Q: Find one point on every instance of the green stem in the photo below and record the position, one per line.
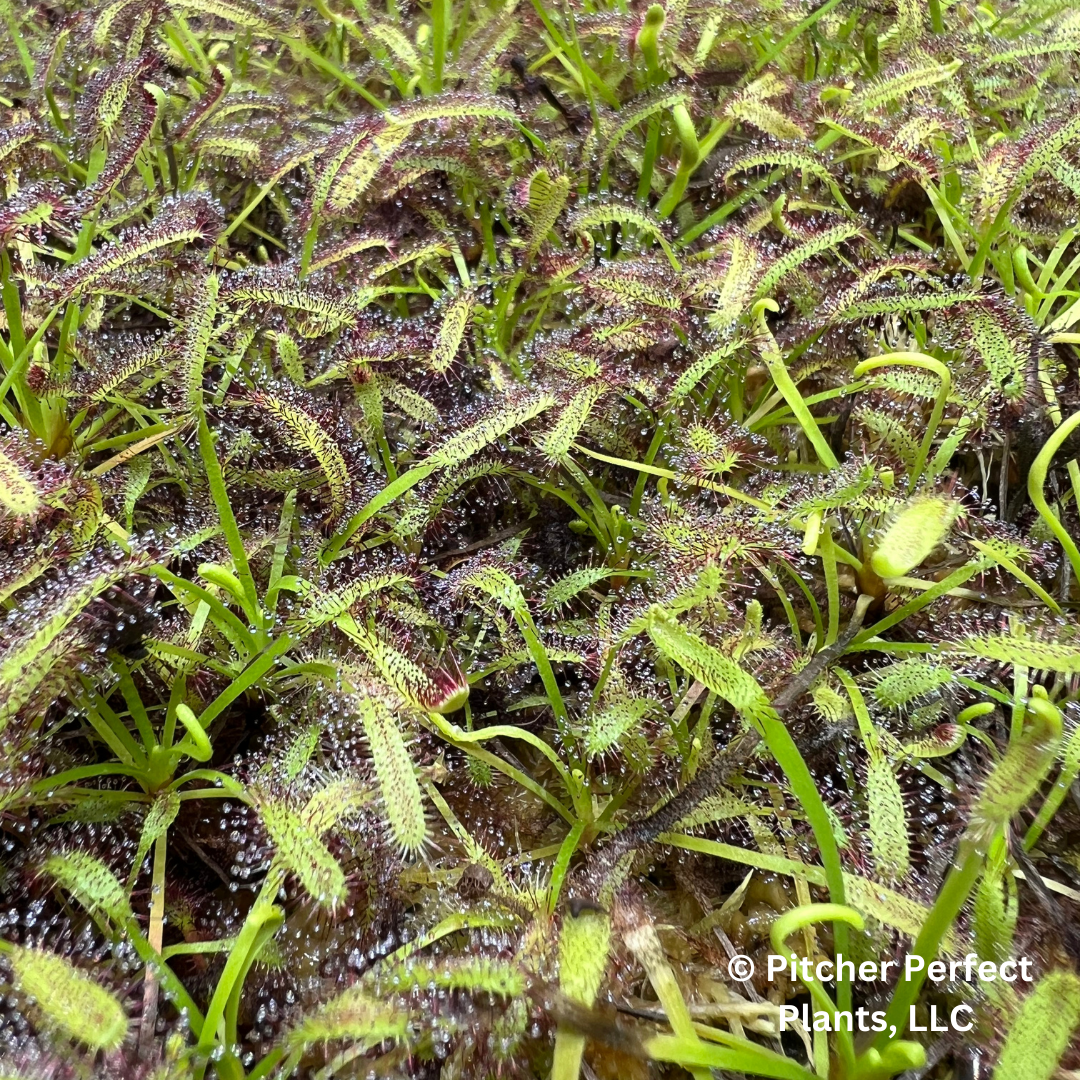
(818, 13)
(174, 989)
(940, 588)
(440, 31)
(562, 864)
(958, 885)
(652, 145)
(268, 1064)
(515, 774)
(27, 399)
(254, 671)
(927, 363)
(111, 729)
(263, 919)
(937, 24)
(504, 731)
(689, 160)
(58, 781)
(230, 626)
(827, 551)
(1069, 770)
(388, 494)
(1037, 482)
(225, 513)
(786, 385)
(25, 56)
(543, 665)
(782, 747)
(655, 470)
(798, 919)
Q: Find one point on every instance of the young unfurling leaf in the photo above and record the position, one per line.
(584, 943)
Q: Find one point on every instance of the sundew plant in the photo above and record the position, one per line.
(509, 506)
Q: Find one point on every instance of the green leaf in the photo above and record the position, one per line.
(68, 1000)
(584, 942)
(887, 820)
(302, 853)
(159, 817)
(356, 1015)
(1042, 1030)
(402, 800)
(913, 534)
(91, 882)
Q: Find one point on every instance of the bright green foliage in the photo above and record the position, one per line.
(72, 1003)
(565, 589)
(18, 494)
(156, 824)
(91, 882)
(1041, 1029)
(454, 324)
(584, 942)
(904, 683)
(1016, 777)
(995, 911)
(912, 535)
(707, 664)
(302, 853)
(356, 1016)
(477, 976)
(615, 719)
(1060, 656)
(402, 800)
(583, 955)
(888, 824)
